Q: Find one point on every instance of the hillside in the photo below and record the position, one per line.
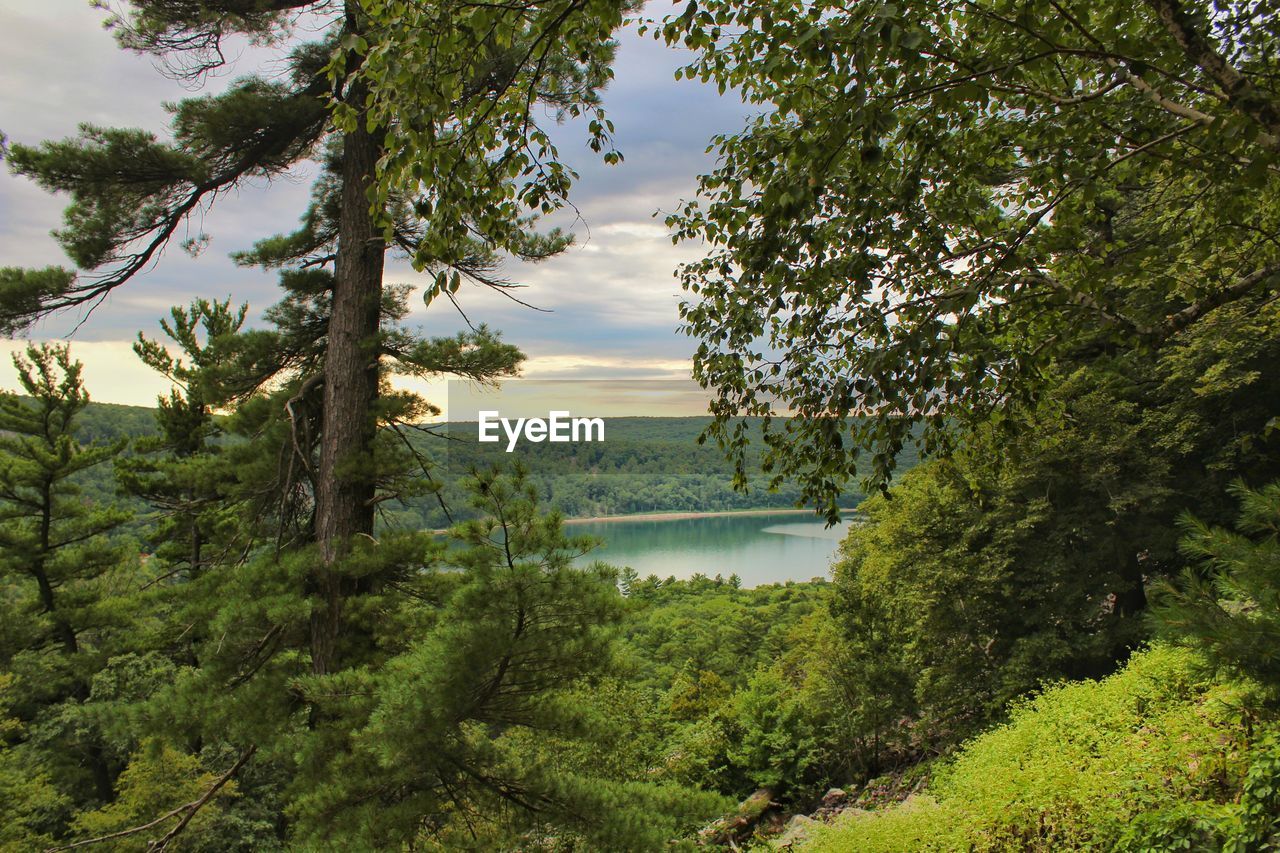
(111, 421)
(645, 464)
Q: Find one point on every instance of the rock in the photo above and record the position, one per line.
(835, 797)
(795, 832)
(833, 802)
(756, 804)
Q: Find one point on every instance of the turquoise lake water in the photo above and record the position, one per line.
(760, 549)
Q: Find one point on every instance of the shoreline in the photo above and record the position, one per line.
(691, 514)
(683, 515)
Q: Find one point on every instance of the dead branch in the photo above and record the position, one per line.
(188, 811)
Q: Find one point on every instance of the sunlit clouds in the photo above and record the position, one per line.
(608, 306)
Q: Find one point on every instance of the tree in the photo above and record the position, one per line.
(177, 470)
(47, 535)
(941, 204)
(455, 657)
(855, 668)
(288, 601)
(30, 805)
(446, 171)
(516, 630)
(54, 549)
(1010, 563)
(1228, 603)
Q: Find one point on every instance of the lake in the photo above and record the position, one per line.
(760, 549)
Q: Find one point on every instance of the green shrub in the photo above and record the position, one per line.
(1134, 759)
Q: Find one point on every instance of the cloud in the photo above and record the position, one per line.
(601, 397)
(112, 373)
(587, 365)
(612, 301)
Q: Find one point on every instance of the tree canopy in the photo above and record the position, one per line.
(941, 205)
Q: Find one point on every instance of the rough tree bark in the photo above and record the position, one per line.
(345, 491)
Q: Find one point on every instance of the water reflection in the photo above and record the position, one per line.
(769, 548)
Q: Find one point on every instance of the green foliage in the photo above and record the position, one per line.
(850, 672)
(939, 206)
(60, 581)
(25, 291)
(460, 120)
(733, 707)
(775, 741)
(1076, 766)
(1027, 556)
(445, 729)
(158, 778)
(51, 544)
(1035, 243)
(966, 587)
(683, 628)
(31, 807)
(472, 703)
(1228, 605)
(179, 469)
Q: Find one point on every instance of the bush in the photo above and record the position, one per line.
(1132, 761)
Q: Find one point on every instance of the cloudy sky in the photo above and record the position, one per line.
(611, 299)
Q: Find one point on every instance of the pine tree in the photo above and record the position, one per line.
(431, 145)
(501, 626)
(455, 737)
(46, 534)
(1228, 602)
(178, 471)
(367, 673)
(54, 547)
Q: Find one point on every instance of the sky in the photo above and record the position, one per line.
(610, 301)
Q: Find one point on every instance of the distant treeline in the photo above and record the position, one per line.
(643, 465)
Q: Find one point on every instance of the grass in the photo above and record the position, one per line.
(1154, 757)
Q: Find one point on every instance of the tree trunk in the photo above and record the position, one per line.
(1132, 599)
(103, 784)
(61, 629)
(345, 491)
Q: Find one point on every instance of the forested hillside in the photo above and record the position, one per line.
(644, 465)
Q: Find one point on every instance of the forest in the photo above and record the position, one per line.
(650, 464)
(1001, 273)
